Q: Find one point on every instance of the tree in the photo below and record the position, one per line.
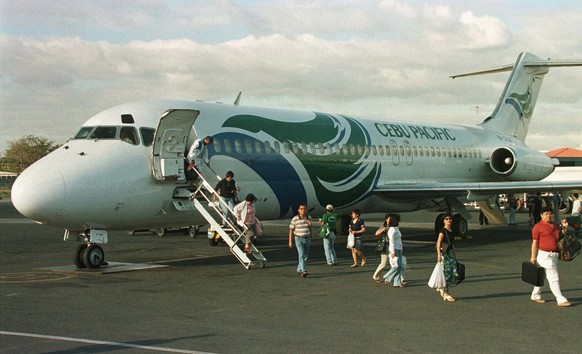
(25, 151)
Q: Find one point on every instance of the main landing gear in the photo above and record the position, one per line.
(460, 225)
(89, 255)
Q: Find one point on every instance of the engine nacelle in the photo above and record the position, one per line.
(519, 164)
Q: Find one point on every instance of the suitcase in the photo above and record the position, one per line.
(532, 274)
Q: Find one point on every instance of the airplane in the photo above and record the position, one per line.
(124, 169)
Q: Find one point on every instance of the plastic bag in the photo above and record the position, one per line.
(351, 241)
(437, 279)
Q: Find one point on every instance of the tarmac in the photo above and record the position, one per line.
(179, 294)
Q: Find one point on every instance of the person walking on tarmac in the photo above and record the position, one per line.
(300, 228)
(329, 218)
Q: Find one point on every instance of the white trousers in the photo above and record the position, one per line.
(549, 261)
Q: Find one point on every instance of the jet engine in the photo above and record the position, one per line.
(521, 164)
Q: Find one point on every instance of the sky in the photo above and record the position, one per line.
(63, 61)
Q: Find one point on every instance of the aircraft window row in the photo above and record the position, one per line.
(125, 134)
(259, 147)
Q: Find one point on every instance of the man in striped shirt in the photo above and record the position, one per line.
(300, 227)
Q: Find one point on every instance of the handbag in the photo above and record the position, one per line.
(258, 229)
(568, 246)
(351, 241)
(532, 274)
(437, 279)
(381, 245)
(324, 231)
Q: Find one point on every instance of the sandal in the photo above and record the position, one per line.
(448, 298)
(378, 281)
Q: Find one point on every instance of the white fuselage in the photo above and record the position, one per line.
(283, 157)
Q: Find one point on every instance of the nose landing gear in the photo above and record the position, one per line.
(89, 255)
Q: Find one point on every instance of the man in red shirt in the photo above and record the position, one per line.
(544, 250)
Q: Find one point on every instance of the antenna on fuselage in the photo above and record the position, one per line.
(237, 100)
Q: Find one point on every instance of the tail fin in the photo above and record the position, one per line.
(514, 110)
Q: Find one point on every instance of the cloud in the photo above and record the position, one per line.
(484, 32)
(388, 59)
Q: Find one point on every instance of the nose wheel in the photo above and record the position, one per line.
(89, 255)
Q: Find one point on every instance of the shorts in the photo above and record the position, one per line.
(358, 244)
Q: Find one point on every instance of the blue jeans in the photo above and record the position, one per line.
(329, 248)
(230, 203)
(395, 273)
(302, 244)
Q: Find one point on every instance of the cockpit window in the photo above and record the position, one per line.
(147, 136)
(128, 135)
(104, 133)
(83, 133)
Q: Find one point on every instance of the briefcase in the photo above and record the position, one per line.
(532, 274)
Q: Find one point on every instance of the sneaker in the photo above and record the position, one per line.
(565, 304)
(540, 301)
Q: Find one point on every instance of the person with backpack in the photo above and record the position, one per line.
(329, 220)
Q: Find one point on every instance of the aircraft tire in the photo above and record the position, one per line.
(438, 223)
(460, 226)
(160, 232)
(93, 256)
(131, 232)
(78, 260)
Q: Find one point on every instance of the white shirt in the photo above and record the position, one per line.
(198, 153)
(395, 238)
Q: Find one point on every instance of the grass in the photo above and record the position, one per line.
(4, 192)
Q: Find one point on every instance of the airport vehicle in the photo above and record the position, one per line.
(101, 180)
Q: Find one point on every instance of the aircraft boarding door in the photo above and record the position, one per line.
(170, 144)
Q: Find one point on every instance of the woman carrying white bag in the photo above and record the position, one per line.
(437, 280)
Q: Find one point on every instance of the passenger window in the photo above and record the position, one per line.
(248, 146)
(374, 150)
(286, 147)
(237, 146)
(217, 145)
(295, 148)
(104, 133)
(267, 147)
(312, 148)
(381, 150)
(360, 150)
(408, 151)
(387, 150)
(227, 146)
(367, 150)
(83, 133)
(352, 149)
(147, 136)
(128, 135)
(432, 151)
(277, 147)
(401, 150)
(258, 147)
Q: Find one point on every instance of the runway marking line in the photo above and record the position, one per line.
(100, 342)
(33, 277)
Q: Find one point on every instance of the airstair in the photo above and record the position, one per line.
(232, 233)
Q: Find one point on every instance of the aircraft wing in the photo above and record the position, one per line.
(473, 191)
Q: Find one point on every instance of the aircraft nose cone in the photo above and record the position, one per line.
(39, 193)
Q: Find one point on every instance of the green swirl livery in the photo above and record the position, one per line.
(335, 160)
